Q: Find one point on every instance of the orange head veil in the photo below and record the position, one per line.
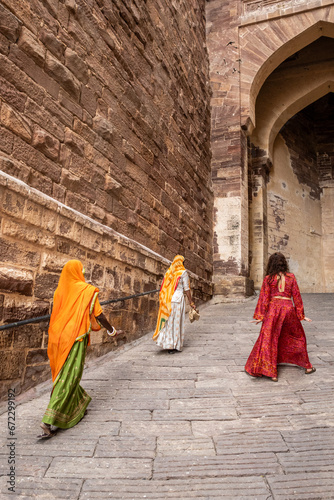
(70, 313)
(168, 287)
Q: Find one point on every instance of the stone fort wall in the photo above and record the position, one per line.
(105, 157)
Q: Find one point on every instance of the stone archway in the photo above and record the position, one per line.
(247, 40)
(265, 47)
(291, 209)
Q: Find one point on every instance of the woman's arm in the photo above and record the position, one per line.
(100, 317)
(104, 322)
(186, 289)
(192, 304)
(263, 302)
(298, 301)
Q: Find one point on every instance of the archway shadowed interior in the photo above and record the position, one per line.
(291, 172)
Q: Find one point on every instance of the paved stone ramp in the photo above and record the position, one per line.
(191, 425)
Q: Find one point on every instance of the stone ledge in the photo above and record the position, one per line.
(89, 225)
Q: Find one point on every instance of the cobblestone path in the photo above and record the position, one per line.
(190, 425)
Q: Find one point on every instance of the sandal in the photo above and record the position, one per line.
(312, 370)
(47, 432)
(274, 379)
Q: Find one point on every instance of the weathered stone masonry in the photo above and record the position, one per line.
(264, 69)
(105, 156)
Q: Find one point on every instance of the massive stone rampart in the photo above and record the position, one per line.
(105, 157)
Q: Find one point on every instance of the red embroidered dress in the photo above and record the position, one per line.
(282, 337)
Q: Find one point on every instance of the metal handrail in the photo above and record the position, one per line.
(40, 319)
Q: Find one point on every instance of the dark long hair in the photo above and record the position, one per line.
(277, 264)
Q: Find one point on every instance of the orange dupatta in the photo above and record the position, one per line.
(70, 316)
(168, 287)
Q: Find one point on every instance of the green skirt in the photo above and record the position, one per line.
(69, 400)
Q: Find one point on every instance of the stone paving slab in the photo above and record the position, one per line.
(195, 404)
(247, 464)
(274, 397)
(148, 394)
(191, 425)
(35, 466)
(310, 486)
(226, 413)
(258, 442)
(99, 468)
(126, 447)
(304, 421)
(136, 403)
(60, 447)
(217, 427)
(162, 384)
(175, 446)
(139, 428)
(224, 394)
(243, 488)
(46, 488)
(309, 440)
(307, 461)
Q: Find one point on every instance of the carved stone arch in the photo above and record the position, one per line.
(271, 122)
(264, 46)
(292, 206)
(295, 107)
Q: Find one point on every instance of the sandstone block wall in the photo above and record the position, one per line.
(38, 236)
(105, 147)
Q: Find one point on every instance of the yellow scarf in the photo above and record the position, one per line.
(167, 289)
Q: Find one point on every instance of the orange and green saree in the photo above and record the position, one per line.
(70, 326)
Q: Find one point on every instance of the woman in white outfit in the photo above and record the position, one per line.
(169, 333)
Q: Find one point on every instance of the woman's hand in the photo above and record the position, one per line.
(308, 319)
(194, 307)
(256, 321)
(112, 333)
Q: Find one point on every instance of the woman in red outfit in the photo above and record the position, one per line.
(282, 337)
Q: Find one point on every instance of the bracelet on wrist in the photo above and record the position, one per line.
(112, 333)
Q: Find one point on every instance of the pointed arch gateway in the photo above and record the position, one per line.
(248, 41)
(264, 46)
(290, 127)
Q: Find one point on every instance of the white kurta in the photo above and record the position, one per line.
(172, 334)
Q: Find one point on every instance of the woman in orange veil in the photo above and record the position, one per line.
(75, 307)
(169, 333)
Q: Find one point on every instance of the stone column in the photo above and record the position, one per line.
(258, 227)
(229, 152)
(231, 222)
